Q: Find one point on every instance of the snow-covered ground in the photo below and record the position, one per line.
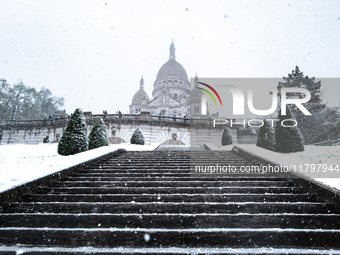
(313, 156)
(20, 163)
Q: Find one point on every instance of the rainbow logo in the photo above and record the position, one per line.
(209, 92)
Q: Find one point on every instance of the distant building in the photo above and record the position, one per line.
(171, 92)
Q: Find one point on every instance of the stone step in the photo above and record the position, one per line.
(9, 250)
(178, 153)
(149, 237)
(142, 161)
(151, 200)
(170, 221)
(134, 174)
(169, 190)
(173, 174)
(170, 161)
(160, 166)
(173, 183)
(174, 169)
(14, 250)
(177, 156)
(184, 165)
(178, 197)
(245, 178)
(171, 207)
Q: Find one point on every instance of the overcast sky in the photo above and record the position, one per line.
(93, 53)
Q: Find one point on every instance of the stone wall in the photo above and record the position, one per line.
(155, 129)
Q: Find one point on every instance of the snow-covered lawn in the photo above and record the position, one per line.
(313, 155)
(20, 163)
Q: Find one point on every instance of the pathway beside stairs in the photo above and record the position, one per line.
(147, 202)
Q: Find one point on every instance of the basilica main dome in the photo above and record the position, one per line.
(173, 76)
(172, 69)
(170, 94)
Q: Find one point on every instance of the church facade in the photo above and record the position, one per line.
(171, 92)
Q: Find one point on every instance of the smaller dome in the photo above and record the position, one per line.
(195, 93)
(139, 96)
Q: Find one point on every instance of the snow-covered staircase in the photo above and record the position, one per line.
(147, 202)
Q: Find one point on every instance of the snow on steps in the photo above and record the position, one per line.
(147, 202)
(14, 250)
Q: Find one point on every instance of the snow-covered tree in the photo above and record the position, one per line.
(21, 102)
(330, 128)
(137, 137)
(288, 139)
(226, 137)
(4, 98)
(98, 135)
(266, 136)
(309, 125)
(74, 138)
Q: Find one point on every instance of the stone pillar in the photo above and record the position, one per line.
(145, 116)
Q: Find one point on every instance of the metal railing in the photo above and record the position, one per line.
(108, 117)
(324, 143)
(52, 121)
(115, 118)
(152, 118)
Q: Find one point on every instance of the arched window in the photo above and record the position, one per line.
(175, 96)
